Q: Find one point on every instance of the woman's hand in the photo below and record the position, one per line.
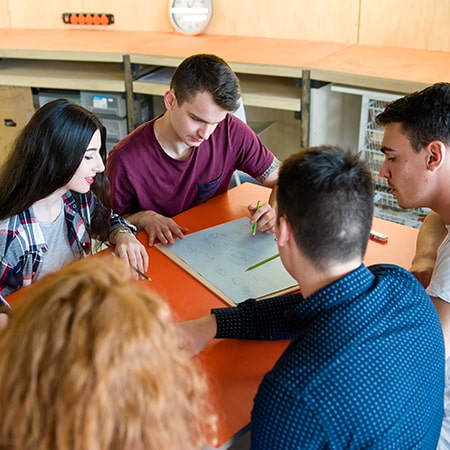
(132, 252)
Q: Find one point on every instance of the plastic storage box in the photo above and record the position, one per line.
(116, 128)
(104, 103)
(47, 95)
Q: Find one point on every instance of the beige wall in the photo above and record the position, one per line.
(5, 20)
(421, 24)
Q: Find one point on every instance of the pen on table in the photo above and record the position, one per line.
(255, 225)
(264, 261)
(142, 274)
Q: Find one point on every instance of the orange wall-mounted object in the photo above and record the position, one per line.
(75, 18)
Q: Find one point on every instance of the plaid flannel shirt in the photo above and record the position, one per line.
(22, 244)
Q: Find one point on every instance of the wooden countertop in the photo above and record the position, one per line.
(381, 67)
(283, 57)
(67, 45)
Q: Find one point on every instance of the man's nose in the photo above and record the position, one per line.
(384, 172)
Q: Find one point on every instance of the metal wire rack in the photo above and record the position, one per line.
(385, 204)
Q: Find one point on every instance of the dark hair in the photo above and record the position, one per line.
(206, 73)
(424, 115)
(326, 194)
(45, 156)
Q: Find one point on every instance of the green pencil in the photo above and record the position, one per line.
(255, 225)
(262, 262)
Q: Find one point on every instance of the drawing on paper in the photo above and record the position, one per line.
(218, 256)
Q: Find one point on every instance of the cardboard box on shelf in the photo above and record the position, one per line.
(16, 109)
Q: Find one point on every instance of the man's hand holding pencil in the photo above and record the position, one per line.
(264, 216)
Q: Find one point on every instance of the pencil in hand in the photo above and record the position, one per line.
(142, 274)
(4, 303)
(255, 225)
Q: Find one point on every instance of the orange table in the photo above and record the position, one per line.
(235, 368)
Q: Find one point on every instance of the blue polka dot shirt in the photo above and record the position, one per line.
(365, 368)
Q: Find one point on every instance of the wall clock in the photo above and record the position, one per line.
(190, 16)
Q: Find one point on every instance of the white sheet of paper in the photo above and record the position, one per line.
(221, 254)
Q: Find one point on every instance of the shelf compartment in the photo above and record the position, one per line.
(261, 91)
(62, 75)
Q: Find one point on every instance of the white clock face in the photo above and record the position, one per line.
(190, 16)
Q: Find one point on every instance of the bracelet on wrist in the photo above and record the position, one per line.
(125, 230)
(120, 230)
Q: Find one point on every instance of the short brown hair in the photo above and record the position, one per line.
(206, 73)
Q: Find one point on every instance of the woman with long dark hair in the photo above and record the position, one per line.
(54, 197)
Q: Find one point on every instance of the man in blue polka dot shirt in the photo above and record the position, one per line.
(365, 367)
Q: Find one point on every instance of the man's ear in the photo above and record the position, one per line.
(437, 152)
(284, 232)
(169, 99)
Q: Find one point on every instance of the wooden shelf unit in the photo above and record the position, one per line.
(275, 74)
